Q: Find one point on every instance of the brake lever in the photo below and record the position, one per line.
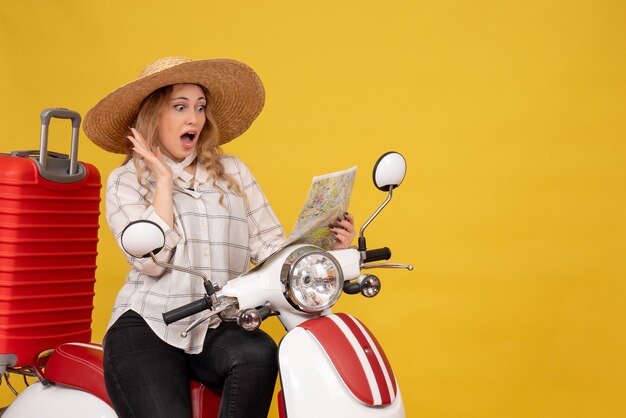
(409, 267)
(198, 321)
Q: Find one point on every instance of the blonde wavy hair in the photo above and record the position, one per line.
(207, 146)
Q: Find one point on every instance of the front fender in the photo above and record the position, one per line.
(333, 367)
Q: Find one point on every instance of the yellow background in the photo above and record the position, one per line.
(510, 116)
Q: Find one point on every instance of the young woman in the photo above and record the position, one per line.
(170, 123)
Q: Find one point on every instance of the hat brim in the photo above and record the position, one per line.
(236, 97)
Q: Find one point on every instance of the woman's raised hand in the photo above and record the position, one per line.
(162, 201)
(159, 169)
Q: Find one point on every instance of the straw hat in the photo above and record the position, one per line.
(236, 97)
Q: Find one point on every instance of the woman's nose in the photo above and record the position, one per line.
(192, 118)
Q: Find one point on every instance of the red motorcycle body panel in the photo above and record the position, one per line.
(205, 402)
(357, 356)
(280, 400)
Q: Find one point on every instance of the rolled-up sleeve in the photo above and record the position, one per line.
(125, 203)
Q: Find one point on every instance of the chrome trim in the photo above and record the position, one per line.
(375, 214)
(204, 277)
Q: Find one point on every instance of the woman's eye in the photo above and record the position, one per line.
(201, 108)
(179, 107)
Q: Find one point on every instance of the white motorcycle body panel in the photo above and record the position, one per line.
(312, 387)
(57, 401)
(259, 286)
(350, 262)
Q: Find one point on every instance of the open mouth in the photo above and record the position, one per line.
(187, 138)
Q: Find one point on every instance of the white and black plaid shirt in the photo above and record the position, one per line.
(218, 239)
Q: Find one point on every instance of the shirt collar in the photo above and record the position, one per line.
(178, 169)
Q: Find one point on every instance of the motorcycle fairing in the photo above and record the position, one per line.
(357, 356)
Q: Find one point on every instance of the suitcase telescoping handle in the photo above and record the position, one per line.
(60, 113)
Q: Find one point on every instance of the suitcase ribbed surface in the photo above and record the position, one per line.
(48, 248)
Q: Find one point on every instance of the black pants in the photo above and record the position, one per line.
(148, 378)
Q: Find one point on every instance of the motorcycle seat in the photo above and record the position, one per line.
(79, 365)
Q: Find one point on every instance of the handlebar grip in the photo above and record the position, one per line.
(377, 254)
(186, 310)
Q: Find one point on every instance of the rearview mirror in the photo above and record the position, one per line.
(389, 171)
(140, 238)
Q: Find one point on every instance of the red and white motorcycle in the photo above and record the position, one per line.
(330, 364)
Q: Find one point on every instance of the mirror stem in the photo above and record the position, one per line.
(362, 244)
(207, 283)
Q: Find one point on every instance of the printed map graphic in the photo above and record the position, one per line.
(328, 199)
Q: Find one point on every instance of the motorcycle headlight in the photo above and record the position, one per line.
(313, 279)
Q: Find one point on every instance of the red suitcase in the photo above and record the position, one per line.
(49, 210)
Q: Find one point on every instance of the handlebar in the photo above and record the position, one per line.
(187, 310)
(377, 254)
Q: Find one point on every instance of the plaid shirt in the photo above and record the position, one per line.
(219, 240)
